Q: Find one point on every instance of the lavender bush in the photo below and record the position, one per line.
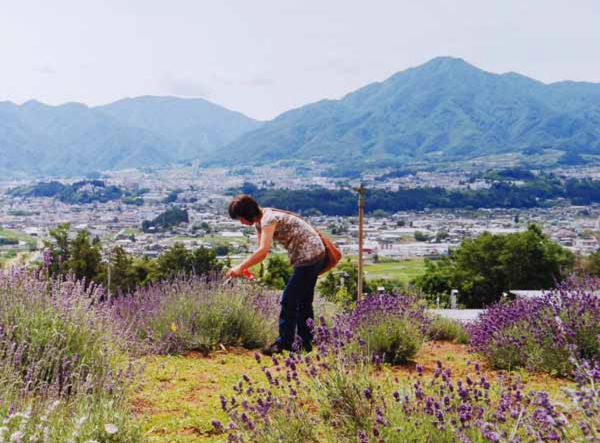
(383, 326)
(81, 420)
(586, 398)
(445, 329)
(64, 370)
(198, 313)
(331, 397)
(541, 333)
(53, 339)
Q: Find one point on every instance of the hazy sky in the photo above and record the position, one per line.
(263, 57)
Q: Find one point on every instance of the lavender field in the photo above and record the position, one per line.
(175, 362)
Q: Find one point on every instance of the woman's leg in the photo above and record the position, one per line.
(290, 302)
(306, 311)
(296, 305)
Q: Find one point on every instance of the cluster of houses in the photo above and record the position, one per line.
(398, 236)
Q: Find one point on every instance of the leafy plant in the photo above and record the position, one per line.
(445, 329)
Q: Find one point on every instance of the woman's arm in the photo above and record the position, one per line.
(266, 238)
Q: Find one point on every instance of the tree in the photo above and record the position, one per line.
(204, 260)
(437, 278)
(59, 248)
(145, 270)
(441, 235)
(168, 219)
(172, 197)
(532, 261)
(592, 265)
(485, 267)
(174, 260)
(389, 285)
(421, 236)
(123, 275)
(178, 259)
(277, 272)
(331, 284)
(84, 258)
(222, 249)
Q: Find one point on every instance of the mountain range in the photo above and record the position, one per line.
(445, 110)
(74, 139)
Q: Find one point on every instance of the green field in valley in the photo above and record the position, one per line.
(404, 270)
(17, 235)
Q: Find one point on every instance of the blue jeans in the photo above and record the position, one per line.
(296, 304)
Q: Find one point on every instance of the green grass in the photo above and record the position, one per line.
(132, 231)
(180, 395)
(216, 238)
(17, 235)
(405, 270)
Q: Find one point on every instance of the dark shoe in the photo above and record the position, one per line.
(275, 348)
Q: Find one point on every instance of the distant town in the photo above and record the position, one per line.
(25, 221)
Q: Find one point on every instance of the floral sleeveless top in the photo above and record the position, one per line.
(300, 239)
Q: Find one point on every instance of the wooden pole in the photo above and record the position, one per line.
(108, 264)
(361, 210)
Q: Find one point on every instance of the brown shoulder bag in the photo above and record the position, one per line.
(334, 255)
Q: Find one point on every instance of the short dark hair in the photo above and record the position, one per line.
(244, 206)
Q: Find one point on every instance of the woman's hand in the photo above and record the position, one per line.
(236, 271)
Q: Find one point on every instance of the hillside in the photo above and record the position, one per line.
(193, 126)
(444, 110)
(73, 139)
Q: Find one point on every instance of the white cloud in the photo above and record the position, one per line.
(184, 87)
(45, 69)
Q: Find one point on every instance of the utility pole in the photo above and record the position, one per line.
(106, 256)
(109, 294)
(361, 209)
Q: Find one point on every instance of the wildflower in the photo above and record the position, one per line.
(16, 437)
(111, 428)
(217, 425)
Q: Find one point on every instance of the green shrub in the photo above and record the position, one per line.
(342, 399)
(195, 314)
(289, 425)
(385, 327)
(445, 329)
(396, 339)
